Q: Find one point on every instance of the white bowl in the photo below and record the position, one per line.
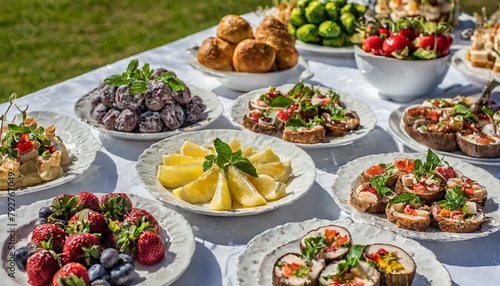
(243, 81)
(401, 80)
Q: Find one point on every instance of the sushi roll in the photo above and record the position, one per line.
(293, 270)
(396, 267)
(350, 271)
(331, 242)
(456, 214)
(408, 212)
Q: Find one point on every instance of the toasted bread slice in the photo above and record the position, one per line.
(309, 136)
(250, 124)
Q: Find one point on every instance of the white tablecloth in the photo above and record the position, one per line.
(221, 240)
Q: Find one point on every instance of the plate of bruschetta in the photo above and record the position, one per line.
(308, 116)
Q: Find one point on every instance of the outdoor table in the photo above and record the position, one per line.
(220, 240)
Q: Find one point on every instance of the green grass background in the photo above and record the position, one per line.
(43, 42)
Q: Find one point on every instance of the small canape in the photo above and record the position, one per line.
(408, 212)
(396, 267)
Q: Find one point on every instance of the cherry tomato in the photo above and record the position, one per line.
(396, 45)
(375, 170)
(384, 33)
(24, 145)
(370, 189)
(410, 34)
(425, 42)
(434, 115)
(373, 45)
(442, 46)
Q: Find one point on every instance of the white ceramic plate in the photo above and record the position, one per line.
(213, 111)
(243, 81)
(347, 174)
(366, 116)
(304, 171)
(323, 49)
(81, 144)
(479, 76)
(256, 262)
(396, 126)
(177, 232)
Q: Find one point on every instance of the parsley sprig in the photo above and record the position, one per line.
(137, 79)
(378, 182)
(226, 157)
(352, 259)
(427, 167)
(455, 199)
(408, 198)
(465, 112)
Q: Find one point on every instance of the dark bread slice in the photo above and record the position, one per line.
(453, 225)
(394, 278)
(377, 208)
(477, 150)
(316, 135)
(418, 223)
(250, 124)
(435, 140)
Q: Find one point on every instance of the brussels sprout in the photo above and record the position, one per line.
(332, 12)
(339, 3)
(329, 29)
(334, 42)
(349, 8)
(357, 38)
(297, 17)
(315, 12)
(360, 9)
(348, 22)
(303, 3)
(308, 33)
(292, 30)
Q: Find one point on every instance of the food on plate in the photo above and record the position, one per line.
(234, 29)
(456, 213)
(461, 123)
(303, 115)
(394, 264)
(144, 100)
(485, 43)
(30, 154)
(329, 23)
(407, 211)
(429, 191)
(408, 39)
(332, 242)
(216, 54)
(389, 170)
(253, 56)
(350, 271)
(238, 48)
(84, 239)
(225, 175)
(292, 269)
(433, 10)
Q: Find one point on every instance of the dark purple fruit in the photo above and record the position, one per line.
(22, 254)
(45, 212)
(109, 257)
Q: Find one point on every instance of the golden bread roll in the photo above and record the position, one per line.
(216, 54)
(253, 56)
(274, 33)
(234, 29)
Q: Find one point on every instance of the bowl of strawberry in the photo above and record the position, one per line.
(405, 60)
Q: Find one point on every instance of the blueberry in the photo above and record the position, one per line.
(125, 258)
(22, 254)
(122, 274)
(100, 282)
(97, 271)
(40, 221)
(109, 257)
(45, 212)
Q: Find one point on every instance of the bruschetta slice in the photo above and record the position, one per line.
(407, 211)
(395, 265)
(473, 190)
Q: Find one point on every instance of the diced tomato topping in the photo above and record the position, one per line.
(448, 172)
(410, 210)
(289, 268)
(419, 188)
(456, 212)
(434, 115)
(343, 239)
(405, 165)
(485, 141)
(24, 145)
(333, 247)
(444, 212)
(469, 191)
(370, 189)
(256, 114)
(330, 235)
(375, 170)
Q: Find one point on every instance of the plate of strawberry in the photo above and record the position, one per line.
(96, 239)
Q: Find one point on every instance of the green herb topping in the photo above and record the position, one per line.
(225, 157)
(313, 246)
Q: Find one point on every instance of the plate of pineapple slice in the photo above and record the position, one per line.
(226, 172)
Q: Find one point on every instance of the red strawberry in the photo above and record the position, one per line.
(64, 206)
(83, 248)
(88, 221)
(138, 216)
(41, 266)
(150, 248)
(115, 206)
(46, 232)
(71, 274)
(89, 201)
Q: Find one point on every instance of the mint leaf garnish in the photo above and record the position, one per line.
(225, 158)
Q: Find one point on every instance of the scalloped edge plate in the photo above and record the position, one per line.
(479, 76)
(304, 171)
(324, 50)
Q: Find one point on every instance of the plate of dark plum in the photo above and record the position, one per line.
(145, 104)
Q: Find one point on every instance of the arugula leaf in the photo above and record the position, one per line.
(313, 246)
(225, 157)
(352, 259)
(296, 89)
(20, 128)
(455, 199)
(432, 161)
(487, 111)
(409, 198)
(281, 101)
(337, 113)
(296, 122)
(378, 182)
(465, 112)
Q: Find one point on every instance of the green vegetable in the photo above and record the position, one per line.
(332, 11)
(329, 29)
(432, 161)
(296, 122)
(303, 271)
(297, 17)
(292, 30)
(348, 22)
(337, 113)
(334, 42)
(349, 8)
(455, 199)
(225, 157)
(409, 198)
(352, 259)
(360, 9)
(460, 109)
(488, 111)
(308, 33)
(281, 101)
(315, 12)
(424, 54)
(378, 182)
(313, 246)
(303, 3)
(339, 3)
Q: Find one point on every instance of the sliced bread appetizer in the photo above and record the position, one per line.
(293, 270)
(350, 271)
(456, 214)
(256, 122)
(339, 121)
(331, 242)
(380, 169)
(479, 144)
(407, 211)
(372, 197)
(297, 130)
(429, 133)
(473, 190)
(395, 265)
